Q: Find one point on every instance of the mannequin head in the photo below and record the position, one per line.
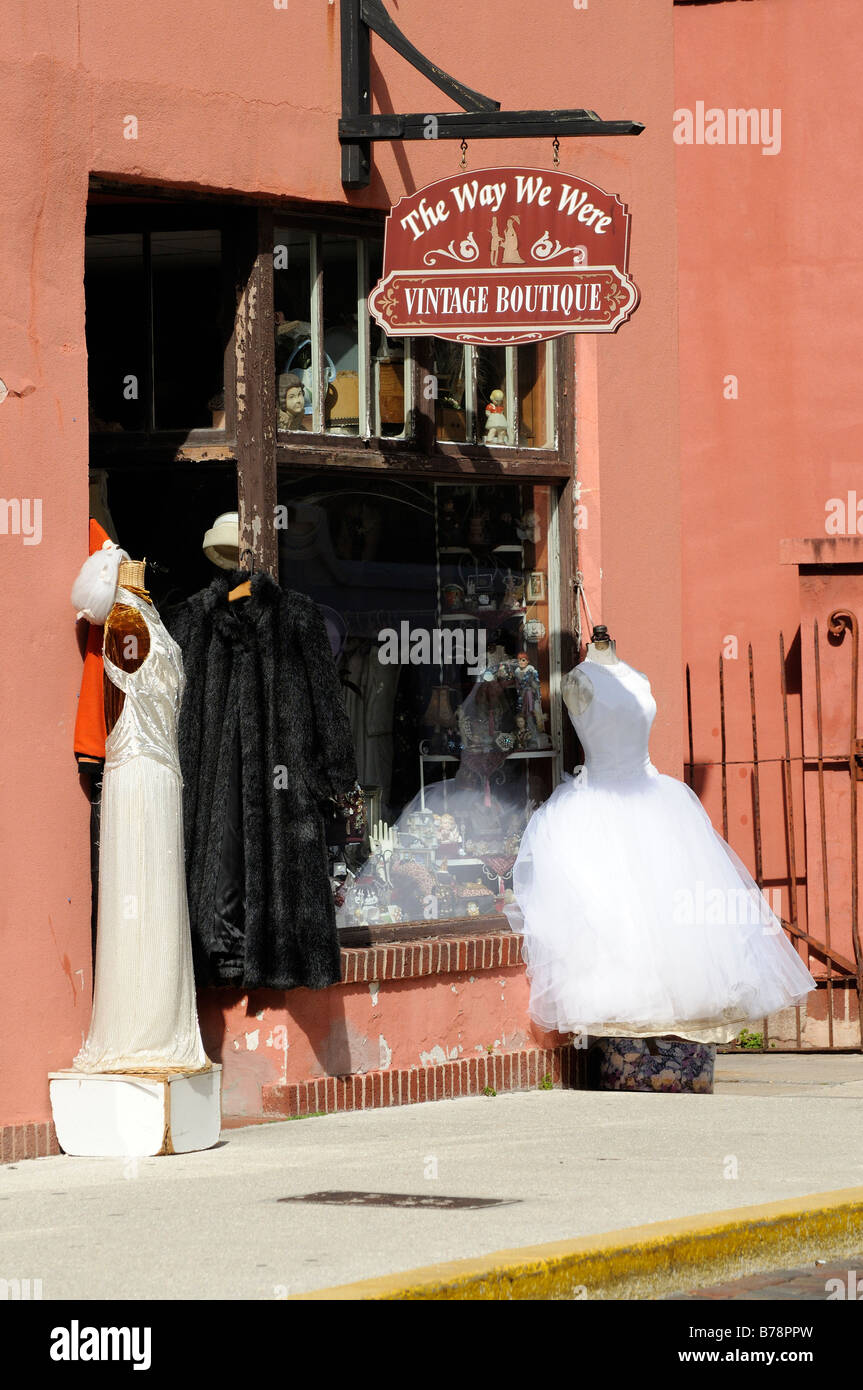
(292, 396)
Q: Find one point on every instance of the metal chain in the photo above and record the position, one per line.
(555, 145)
(463, 164)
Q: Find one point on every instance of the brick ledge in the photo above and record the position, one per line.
(518, 1069)
(441, 956)
(35, 1140)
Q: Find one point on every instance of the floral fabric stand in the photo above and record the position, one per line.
(654, 1064)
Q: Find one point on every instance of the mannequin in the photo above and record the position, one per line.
(577, 689)
(127, 637)
(607, 873)
(144, 1017)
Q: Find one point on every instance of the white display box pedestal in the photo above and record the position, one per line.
(128, 1116)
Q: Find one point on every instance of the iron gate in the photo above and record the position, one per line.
(821, 854)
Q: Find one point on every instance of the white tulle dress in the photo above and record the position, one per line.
(638, 919)
(144, 1014)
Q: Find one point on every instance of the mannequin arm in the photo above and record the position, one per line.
(577, 691)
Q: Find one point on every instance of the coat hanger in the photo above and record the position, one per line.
(244, 590)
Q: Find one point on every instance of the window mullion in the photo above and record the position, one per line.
(512, 403)
(550, 380)
(317, 321)
(150, 367)
(409, 385)
(363, 339)
(471, 427)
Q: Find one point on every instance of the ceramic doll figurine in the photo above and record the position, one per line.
(496, 423)
(529, 696)
(513, 595)
(292, 402)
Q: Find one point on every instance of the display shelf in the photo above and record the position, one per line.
(494, 615)
(519, 753)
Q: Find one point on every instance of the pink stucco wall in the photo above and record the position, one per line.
(247, 99)
(771, 277)
(268, 1037)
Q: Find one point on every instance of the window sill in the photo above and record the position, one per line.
(444, 955)
(404, 455)
(434, 930)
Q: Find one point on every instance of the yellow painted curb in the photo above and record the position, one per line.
(641, 1261)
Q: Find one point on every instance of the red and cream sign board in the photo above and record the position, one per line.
(505, 256)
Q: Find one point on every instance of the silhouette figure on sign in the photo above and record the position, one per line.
(510, 243)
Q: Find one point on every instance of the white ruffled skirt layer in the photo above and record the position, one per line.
(144, 1013)
(639, 920)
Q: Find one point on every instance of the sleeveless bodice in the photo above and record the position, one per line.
(147, 726)
(614, 730)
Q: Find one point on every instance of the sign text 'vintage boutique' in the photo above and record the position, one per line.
(505, 256)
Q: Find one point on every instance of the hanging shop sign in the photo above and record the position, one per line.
(505, 256)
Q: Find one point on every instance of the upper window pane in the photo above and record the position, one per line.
(453, 413)
(188, 351)
(292, 298)
(117, 342)
(534, 364)
(390, 365)
(155, 330)
(341, 289)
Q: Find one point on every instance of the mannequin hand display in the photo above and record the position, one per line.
(382, 838)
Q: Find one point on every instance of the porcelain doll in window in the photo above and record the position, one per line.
(496, 423)
(529, 695)
(292, 402)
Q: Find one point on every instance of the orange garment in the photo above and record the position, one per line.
(90, 730)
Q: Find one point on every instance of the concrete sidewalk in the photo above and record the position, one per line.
(563, 1165)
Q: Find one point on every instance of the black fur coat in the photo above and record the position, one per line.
(260, 671)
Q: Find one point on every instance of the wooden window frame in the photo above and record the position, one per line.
(419, 451)
(250, 441)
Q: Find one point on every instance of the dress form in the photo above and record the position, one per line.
(144, 1016)
(127, 637)
(577, 689)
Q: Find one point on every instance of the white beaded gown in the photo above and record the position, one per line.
(144, 1014)
(638, 918)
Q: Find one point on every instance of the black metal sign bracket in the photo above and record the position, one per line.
(479, 119)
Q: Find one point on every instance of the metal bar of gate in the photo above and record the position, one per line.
(789, 819)
(690, 772)
(723, 747)
(756, 799)
(840, 621)
(822, 818)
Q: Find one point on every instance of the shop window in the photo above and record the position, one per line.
(339, 374)
(495, 395)
(439, 578)
(155, 330)
(441, 603)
